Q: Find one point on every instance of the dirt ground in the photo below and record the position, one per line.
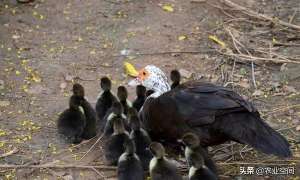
(47, 45)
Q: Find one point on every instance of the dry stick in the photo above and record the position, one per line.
(92, 147)
(15, 150)
(259, 15)
(252, 64)
(293, 16)
(99, 173)
(282, 109)
(56, 166)
(245, 57)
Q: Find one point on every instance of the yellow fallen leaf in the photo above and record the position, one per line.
(36, 77)
(217, 40)
(274, 40)
(130, 69)
(2, 144)
(18, 73)
(168, 8)
(2, 132)
(182, 37)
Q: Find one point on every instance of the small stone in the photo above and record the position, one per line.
(258, 93)
(63, 85)
(186, 74)
(69, 77)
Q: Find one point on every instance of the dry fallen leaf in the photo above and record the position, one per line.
(168, 8)
(217, 40)
(182, 37)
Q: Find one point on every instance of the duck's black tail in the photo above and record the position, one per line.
(249, 128)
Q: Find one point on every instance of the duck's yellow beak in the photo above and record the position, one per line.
(130, 69)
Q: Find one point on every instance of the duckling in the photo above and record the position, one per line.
(175, 77)
(89, 112)
(193, 148)
(129, 164)
(115, 112)
(104, 101)
(122, 95)
(114, 146)
(140, 97)
(199, 171)
(72, 121)
(141, 139)
(160, 167)
(149, 92)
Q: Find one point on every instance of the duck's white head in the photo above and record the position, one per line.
(152, 78)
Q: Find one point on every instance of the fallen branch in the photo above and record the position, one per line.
(92, 147)
(9, 166)
(245, 57)
(15, 150)
(259, 15)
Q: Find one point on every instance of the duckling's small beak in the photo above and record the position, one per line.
(134, 82)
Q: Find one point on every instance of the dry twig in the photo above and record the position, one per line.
(259, 15)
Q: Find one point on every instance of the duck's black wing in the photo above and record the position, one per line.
(216, 110)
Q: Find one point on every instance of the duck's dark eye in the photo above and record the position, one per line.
(144, 73)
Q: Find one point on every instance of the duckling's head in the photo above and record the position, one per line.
(157, 150)
(134, 123)
(132, 112)
(75, 102)
(78, 90)
(152, 78)
(140, 91)
(122, 93)
(129, 146)
(117, 108)
(190, 140)
(118, 126)
(105, 84)
(175, 76)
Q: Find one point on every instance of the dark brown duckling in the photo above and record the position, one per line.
(72, 121)
(140, 97)
(198, 169)
(114, 145)
(160, 167)
(140, 138)
(193, 148)
(89, 112)
(104, 101)
(129, 164)
(123, 95)
(115, 112)
(175, 78)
